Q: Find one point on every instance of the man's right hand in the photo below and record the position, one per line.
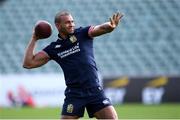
(34, 36)
(31, 59)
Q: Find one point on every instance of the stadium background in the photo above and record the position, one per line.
(138, 62)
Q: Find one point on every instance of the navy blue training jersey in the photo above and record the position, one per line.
(76, 58)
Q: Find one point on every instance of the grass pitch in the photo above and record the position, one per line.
(125, 111)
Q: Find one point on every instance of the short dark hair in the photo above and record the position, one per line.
(57, 18)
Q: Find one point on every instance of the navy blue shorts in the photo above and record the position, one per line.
(77, 99)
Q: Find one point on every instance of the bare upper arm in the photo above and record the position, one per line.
(38, 60)
(98, 30)
(94, 31)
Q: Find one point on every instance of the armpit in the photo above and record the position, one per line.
(44, 54)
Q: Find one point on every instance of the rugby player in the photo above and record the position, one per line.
(73, 52)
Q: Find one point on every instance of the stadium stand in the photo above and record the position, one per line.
(145, 44)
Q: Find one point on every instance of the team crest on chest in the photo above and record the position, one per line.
(70, 108)
(73, 38)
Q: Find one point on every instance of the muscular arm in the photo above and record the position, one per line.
(105, 27)
(32, 60)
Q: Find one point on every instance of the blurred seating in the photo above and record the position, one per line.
(145, 44)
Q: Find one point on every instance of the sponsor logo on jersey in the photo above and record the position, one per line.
(69, 51)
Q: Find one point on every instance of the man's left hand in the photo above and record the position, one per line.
(114, 20)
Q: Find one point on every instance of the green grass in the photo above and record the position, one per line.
(125, 111)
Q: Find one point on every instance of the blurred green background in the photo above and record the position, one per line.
(125, 111)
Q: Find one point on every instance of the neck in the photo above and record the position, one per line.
(63, 36)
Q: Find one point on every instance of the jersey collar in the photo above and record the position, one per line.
(59, 37)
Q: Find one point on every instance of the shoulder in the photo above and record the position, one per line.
(51, 49)
(82, 29)
(51, 46)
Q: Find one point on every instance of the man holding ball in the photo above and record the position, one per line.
(73, 51)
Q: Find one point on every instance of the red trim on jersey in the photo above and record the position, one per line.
(90, 30)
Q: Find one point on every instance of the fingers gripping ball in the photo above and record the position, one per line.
(43, 29)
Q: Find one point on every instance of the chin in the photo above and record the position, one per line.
(71, 32)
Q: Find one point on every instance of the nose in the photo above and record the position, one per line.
(72, 25)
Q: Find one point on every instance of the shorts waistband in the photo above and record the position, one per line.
(85, 88)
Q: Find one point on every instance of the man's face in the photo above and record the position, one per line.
(66, 26)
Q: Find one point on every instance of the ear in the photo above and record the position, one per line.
(58, 26)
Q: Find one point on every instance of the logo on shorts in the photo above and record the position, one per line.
(106, 101)
(70, 108)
